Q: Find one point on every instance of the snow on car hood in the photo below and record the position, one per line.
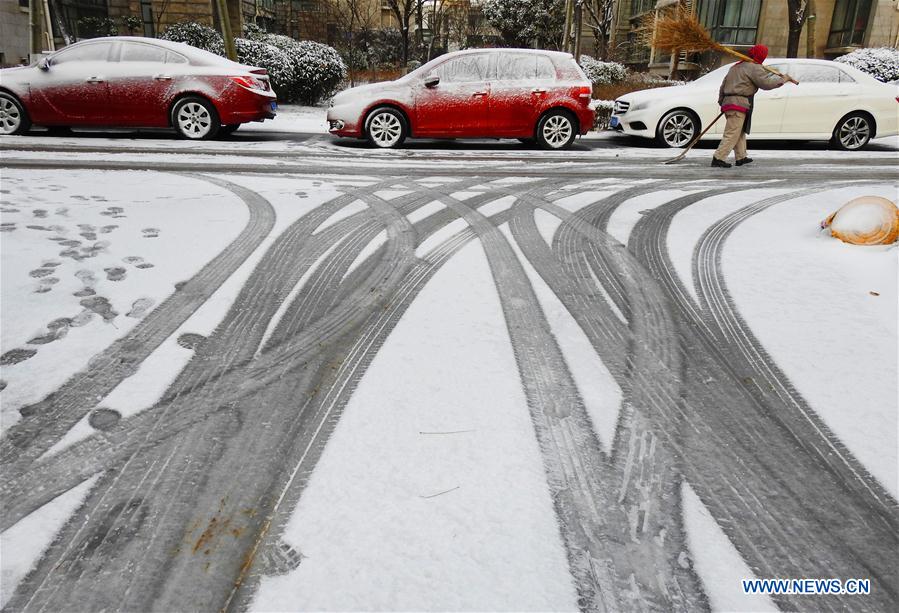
(365, 91)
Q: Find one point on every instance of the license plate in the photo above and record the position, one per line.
(613, 123)
(274, 106)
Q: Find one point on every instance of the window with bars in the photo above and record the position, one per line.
(849, 23)
(639, 7)
(732, 22)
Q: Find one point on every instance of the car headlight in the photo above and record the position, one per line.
(639, 106)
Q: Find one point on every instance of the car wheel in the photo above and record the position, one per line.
(13, 116)
(195, 118)
(229, 129)
(853, 132)
(556, 130)
(386, 128)
(677, 129)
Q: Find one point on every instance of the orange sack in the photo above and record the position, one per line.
(867, 220)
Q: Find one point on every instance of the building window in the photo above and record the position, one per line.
(850, 20)
(639, 7)
(732, 22)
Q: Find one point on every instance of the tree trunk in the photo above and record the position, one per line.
(811, 23)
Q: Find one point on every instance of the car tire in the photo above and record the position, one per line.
(853, 132)
(556, 130)
(14, 118)
(229, 129)
(677, 129)
(386, 128)
(195, 118)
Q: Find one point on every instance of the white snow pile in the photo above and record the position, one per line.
(602, 73)
(882, 63)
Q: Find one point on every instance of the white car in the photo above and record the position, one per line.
(832, 102)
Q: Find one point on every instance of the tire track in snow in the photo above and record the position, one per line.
(807, 533)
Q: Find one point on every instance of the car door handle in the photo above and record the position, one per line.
(95, 80)
(538, 90)
(162, 77)
(479, 94)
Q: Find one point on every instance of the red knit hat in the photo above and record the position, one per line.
(758, 52)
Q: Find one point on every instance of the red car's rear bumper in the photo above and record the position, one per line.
(240, 105)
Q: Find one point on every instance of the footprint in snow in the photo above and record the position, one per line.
(84, 292)
(107, 229)
(2, 385)
(88, 236)
(102, 418)
(115, 273)
(37, 273)
(62, 211)
(302, 195)
(14, 356)
(58, 328)
(7, 226)
(101, 306)
(42, 228)
(7, 209)
(40, 213)
(45, 285)
(190, 340)
(139, 308)
(78, 197)
(150, 232)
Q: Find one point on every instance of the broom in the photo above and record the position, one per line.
(682, 31)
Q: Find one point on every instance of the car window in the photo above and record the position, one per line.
(815, 73)
(136, 52)
(545, 68)
(463, 69)
(845, 77)
(515, 67)
(96, 52)
(174, 58)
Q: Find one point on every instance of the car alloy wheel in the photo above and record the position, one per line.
(195, 119)
(386, 129)
(556, 130)
(13, 118)
(854, 132)
(677, 129)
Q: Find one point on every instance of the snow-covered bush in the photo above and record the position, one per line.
(602, 113)
(196, 35)
(315, 69)
(882, 63)
(602, 73)
(264, 55)
(96, 27)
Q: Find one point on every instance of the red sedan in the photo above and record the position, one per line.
(135, 82)
(532, 95)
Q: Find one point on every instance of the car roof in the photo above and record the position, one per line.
(193, 53)
(559, 54)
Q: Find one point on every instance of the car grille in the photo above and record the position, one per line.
(621, 107)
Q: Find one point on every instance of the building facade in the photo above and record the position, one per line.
(840, 26)
(15, 34)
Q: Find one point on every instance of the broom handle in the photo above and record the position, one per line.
(696, 140)
(746, 58)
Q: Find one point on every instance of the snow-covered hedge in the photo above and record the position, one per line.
(603, 113)
(882, 63)
(300, 71)
(602, 73)
(316, 69)
(196, 35)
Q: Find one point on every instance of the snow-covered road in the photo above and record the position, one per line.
(305, 376)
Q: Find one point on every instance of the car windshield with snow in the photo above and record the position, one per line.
(535, 96)
(833, 101)
(135, 82)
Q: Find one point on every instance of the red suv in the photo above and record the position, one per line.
(135, 82)
(532, 95)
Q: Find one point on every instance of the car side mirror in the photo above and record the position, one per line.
(44, 64)
(432, 81)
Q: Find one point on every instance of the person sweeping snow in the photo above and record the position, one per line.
(737, 98)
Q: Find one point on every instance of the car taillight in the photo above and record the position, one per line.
(584, 94)
(250, 83)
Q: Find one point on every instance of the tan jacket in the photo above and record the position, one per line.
(743, 80)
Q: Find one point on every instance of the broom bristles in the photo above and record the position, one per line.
(682, 31)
